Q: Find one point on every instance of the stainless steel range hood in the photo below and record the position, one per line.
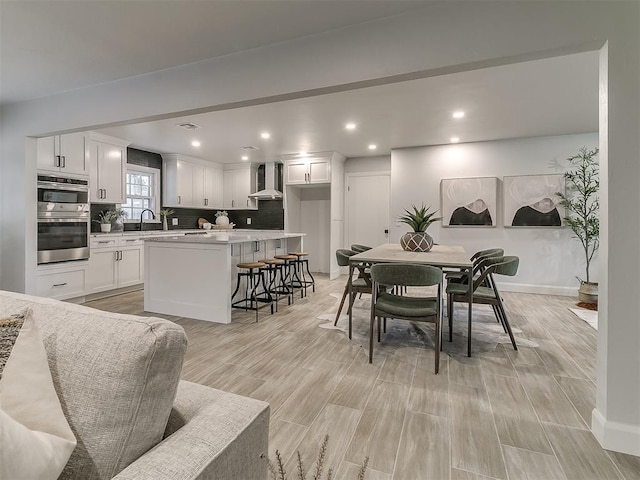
(269, 192)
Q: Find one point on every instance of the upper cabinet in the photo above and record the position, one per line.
(239, 183)
(191, 183)
(107, 169)
(309, 170)
(63, 154)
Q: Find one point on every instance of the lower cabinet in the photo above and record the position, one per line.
(115, 267)
(61, 281)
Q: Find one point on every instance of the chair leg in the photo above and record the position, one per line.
(344, 296)
(506, 321)
(371, 321)
(379, 321)
(438, 343)
(450, 315)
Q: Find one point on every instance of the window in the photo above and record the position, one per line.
(143, 191)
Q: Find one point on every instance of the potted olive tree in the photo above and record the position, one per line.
(582, 204)
(419, 220)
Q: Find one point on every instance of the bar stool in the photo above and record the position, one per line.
(275, 278)
(291, 275)
(302, 264)
(254, 273)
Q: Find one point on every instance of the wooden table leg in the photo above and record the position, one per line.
(350, 296)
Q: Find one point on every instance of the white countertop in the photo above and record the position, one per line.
(189, 231)
(230, 237)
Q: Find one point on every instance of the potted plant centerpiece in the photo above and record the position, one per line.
(582, 204)
(420, 219)
(118, 215)
(104, 219)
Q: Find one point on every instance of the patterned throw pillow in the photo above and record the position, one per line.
(9, 330)
(35, 438)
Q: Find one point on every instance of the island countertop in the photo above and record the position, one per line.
(224, 238)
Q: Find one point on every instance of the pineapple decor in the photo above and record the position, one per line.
(419, 219)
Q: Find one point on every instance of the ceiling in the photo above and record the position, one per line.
(49, 47)
(554, 96)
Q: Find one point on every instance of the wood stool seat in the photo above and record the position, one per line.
(251, 265)
(299, 254)
(273, 261)
(286, 257)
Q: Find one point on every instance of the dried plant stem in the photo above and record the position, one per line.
(320, 462)
(301, 475)
(330, 474)
(363, 470)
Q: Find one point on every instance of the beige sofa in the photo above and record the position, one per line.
(117, 378)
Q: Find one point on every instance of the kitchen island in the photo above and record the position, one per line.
(193, 275)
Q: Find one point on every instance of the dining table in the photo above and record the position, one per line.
(446, 257)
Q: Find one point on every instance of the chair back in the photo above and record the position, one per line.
(491, 252)
(509, 266)
(406, 274)
(356, 247)
(342, 256)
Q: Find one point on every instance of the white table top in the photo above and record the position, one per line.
(438, 256)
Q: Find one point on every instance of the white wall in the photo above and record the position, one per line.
(381, 163)
(549, 257)
(441, 38)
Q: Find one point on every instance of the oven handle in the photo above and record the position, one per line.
(63, 186)
(64, 220)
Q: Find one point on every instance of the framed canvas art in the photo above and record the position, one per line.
(532, 201)
(469, 202)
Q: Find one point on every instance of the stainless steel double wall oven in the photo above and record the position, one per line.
(63, 219)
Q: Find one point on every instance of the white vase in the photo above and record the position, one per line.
(222, 220)
(165, 225)
(105, 227)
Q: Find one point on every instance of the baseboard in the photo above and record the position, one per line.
(111, 293)
(616, 436)
(538, 289)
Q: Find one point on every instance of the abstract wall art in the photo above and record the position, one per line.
(469, 202)
(531, 201)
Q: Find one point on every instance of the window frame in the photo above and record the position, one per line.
(155, 174)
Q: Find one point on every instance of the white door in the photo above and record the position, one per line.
(111, 172)
(228, 188)
(102, 271)
(319, 171)
(367, 210)
(296, 172)
(197, 189)
(130, 267)
(72, 149)
(185, 184)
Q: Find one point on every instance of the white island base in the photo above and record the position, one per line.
(194, 276)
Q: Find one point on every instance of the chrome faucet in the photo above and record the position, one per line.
(153, 215)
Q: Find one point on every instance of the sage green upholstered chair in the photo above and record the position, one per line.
(358, 248)
(385, 304)
(360, 284)
(485, 291)
(476, 258)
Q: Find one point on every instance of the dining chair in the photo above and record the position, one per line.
(476, 258)
(386, 304)
(358, 248)
(485, 291)
(360, 284)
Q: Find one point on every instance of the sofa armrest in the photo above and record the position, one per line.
(211, 434)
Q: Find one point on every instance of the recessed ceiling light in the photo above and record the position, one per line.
(454, 139)
(245, 157)
(265, 135)
(458, 114)
(350, 126)
(373, 146)
(195, 143)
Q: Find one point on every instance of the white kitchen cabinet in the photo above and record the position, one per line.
(63, 154)
(115, 262)
(238, 185)
(213, 188)
(61, 281)
(107, 171)
(188, 183)
(306, 171)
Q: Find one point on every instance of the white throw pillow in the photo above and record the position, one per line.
(35, 438)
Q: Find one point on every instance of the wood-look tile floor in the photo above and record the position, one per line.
(502, 414)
